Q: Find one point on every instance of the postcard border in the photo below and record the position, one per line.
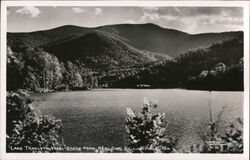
(156, 156)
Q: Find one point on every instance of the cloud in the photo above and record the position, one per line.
(90, 11)
(149, 17)
(98, 11)
(194, 19)
(201, 11)
(78, 10)
(169, 17)
(212, 24)
(29, 10)
(130, 21)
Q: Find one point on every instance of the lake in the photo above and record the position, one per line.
(97, 117)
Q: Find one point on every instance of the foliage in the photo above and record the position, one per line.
(229, 141)
(220, 77)
(223, 62)
(32, 69)
(148, 37)
(100, 50)
(104, 56)
(45, 68)
(146, 130)
(37, 70)
(78, 77)
(27, 127)
(220, 137)
(72, 76)
(15, 66)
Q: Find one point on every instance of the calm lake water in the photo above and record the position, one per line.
(97, 117)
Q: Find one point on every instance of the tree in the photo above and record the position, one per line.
(53, 72)
(15, 66)
(230, 141)
(72, 76)
(50, 68)
(218, 139)
(44, 67)
(27, 127)
(89, 80)
(146, 130)
(76, 80)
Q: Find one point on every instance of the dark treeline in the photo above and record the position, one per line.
(37, 70)
(94, 60)
(219, 67)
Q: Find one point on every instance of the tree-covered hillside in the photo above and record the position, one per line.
(18, 41)
(172, 42)
(219, 67)
(125, 55)
(148, 37)
(91, 60)
(100, 50)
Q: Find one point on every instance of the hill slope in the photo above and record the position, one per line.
(101, 50)
(172, 42)
(219, 67)
(148, 37)
(37, 38)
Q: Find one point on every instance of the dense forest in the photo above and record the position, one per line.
(219, 67)
(37, 70)
(103, 59)
(85, 58)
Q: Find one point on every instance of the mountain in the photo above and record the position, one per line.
(37, 38)
(172, 42)
(123, 55)
(219, 67)
(149, 37)
(101, 50)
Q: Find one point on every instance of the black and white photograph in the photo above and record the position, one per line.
(137, 79)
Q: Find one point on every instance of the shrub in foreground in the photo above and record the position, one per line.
(147, 131)
(230, 141)
(27, 128)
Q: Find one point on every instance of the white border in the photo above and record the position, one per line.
(123, 156)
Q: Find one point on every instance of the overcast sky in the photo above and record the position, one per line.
(188, 19)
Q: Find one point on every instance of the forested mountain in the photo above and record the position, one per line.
(219, 67)
(125, 55)
(148, 37)
(172, 42)
(102, 50)
(37, 38)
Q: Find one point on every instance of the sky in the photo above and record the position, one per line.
(187, 19)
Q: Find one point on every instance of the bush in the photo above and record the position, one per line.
(230, 141)
(226, 138)
(26, 127)
(147, 132)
